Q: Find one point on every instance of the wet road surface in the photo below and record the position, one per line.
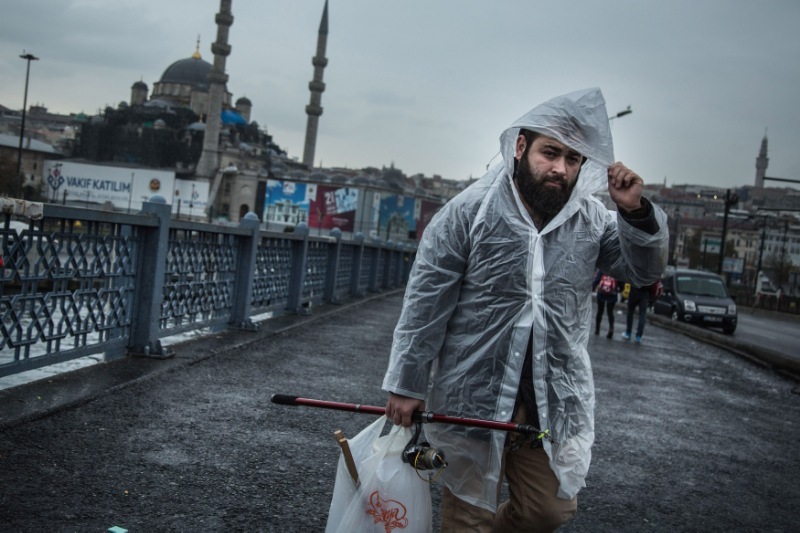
(688, 436)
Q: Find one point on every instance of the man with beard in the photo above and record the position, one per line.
(497, 313)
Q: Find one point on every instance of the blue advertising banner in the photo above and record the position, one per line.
(397, 217)
(288, 202)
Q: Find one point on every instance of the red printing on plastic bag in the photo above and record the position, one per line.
(391, 512)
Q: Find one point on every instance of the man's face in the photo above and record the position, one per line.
(546, 174)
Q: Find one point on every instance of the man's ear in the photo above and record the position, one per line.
(521, 145)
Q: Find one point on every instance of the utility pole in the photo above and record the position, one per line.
(730, 200)
(761, 250)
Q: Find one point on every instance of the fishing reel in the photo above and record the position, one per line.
(420, 455)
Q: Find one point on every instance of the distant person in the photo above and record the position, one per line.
(639, 297)
(498, 309)
(656, 290)
(607, 294)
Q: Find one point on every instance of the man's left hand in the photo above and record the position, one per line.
(625, 187)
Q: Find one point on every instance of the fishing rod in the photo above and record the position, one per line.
(418, 416)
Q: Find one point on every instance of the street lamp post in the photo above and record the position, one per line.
(731, 199)
(761, 250)
(626, 111)
(28, 58)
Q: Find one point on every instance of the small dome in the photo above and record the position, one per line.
(244, 101)
(139, 85)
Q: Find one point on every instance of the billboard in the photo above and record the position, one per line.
(710, 244)
(398, 216)
(190, 197)
(426, 211)
(288, 202)
(124, 188)
(320, 206)
(733, 265)
(334, 207)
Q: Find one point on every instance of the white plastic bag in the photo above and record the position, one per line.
(390, 496)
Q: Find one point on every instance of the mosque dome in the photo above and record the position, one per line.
(244, 101)
(139, 85)
(190, 71)
(184, 84)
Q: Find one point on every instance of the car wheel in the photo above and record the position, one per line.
(728, 330)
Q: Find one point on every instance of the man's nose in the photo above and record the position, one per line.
(560, 166)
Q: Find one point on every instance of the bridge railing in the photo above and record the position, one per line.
(79, 282)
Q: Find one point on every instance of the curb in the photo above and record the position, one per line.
(763, 356)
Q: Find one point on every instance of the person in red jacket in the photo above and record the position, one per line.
(607, 289)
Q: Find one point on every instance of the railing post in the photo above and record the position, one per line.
(125, 232)
(386, 280)
(245, 274)
(398, 267)
(375, 267)
(408, 263)
(334, 252)
(358, 265)
(149, 292)
(299, 268)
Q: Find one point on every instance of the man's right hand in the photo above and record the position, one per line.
(400, 408)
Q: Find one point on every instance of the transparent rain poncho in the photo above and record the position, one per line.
(486, 283)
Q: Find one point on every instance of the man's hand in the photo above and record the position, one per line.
(625, 187)
(400, 408)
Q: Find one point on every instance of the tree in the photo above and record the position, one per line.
(8, 171)
(780, 265)
(693, 250)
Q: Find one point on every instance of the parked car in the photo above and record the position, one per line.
(697, 297)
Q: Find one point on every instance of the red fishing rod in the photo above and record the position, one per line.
(418, 416)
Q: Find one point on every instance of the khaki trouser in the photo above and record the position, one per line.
(532, 504)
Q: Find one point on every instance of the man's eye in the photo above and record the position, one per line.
(574, 160)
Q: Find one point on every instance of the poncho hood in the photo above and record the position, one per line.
(579, 120)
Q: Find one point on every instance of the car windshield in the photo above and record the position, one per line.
(701, 286)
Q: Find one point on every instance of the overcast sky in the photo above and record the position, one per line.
(429, 85)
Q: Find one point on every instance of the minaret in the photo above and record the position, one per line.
(209, 159)
(314, 109)
(761, 163)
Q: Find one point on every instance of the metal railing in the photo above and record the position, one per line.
(81, 282)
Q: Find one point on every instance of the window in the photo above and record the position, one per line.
(701, 286)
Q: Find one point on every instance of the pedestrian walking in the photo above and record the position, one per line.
(497, 313)
(607, 293)
(639, 298)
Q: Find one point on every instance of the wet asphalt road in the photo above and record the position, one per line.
(689, 436)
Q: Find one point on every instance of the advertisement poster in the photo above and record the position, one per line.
(397, 221)
(288, 202)
(124, 188)
(334, 207)
(190, 197)
(426, 211)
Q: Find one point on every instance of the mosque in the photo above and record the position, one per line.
(191, 122)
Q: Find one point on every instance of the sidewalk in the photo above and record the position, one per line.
(46, 396)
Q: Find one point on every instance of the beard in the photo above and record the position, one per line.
(545, 200)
